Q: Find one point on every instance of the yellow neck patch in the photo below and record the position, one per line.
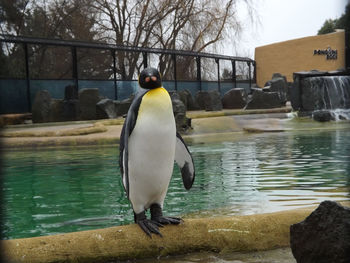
(157, 92)
(156, 99)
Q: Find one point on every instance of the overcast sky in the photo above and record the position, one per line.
(281, 20)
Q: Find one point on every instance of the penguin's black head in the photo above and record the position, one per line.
(150, 78)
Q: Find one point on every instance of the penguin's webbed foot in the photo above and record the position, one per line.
(167, 220)
(157, 216)
(147, 225)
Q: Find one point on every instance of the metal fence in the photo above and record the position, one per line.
(77, 63)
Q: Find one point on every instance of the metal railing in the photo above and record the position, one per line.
(75, 45)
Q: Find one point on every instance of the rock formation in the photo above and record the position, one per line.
(234, 99)
(324, 236)
(209, 100)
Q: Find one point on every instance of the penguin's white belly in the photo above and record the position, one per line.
(151, 153)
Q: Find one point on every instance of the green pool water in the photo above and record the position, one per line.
(50, 191)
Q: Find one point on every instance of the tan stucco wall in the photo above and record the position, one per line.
(298, 55)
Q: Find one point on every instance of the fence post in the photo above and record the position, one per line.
(347, 49)
(114, 75)
(26, 57)
(145, 59)
(199, 73)
(234, 76)
(254, 71)
(75, 68)
(219, 85)
(175, 77)
(250, 75)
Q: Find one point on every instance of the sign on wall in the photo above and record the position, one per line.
(330, 53)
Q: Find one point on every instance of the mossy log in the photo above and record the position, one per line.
(238, 233)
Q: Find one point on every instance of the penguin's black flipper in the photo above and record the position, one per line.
(127, 129)
(184, 160)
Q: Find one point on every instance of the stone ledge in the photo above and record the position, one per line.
(13, 119)
(227, 234)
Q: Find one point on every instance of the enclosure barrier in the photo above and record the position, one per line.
(228, 234)
(113, 79)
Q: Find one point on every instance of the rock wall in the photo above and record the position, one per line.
(87, 104)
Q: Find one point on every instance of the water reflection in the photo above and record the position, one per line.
(271, 172)
(55, 190)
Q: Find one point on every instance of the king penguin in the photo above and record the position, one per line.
(149, 144)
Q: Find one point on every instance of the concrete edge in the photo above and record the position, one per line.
(226, 234)
(59, 142)
(235, 112)
(95, 128)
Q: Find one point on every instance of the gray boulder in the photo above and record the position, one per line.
(266, 89)
(317, 90)
(105, 109)
(70, 103)
(180, 115)
(56, 110)
(182, 122)
(312, 99)
(123, 106)
(187, 99)
(209, 100)
(47, 109)
(183, 96)
(234, 99)
(263, 100)
(323, 116)
(201, 98)
(174, 95)
(88, 98)
(41, 107)
(70, 110)
(324, 236)
(279, 75)
(280, 86)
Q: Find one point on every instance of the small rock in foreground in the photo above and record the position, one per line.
(324, 236)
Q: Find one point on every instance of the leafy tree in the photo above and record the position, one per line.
(344, 21)
(65, 19)
(330, 25)
(60, 19)
(13, 14)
